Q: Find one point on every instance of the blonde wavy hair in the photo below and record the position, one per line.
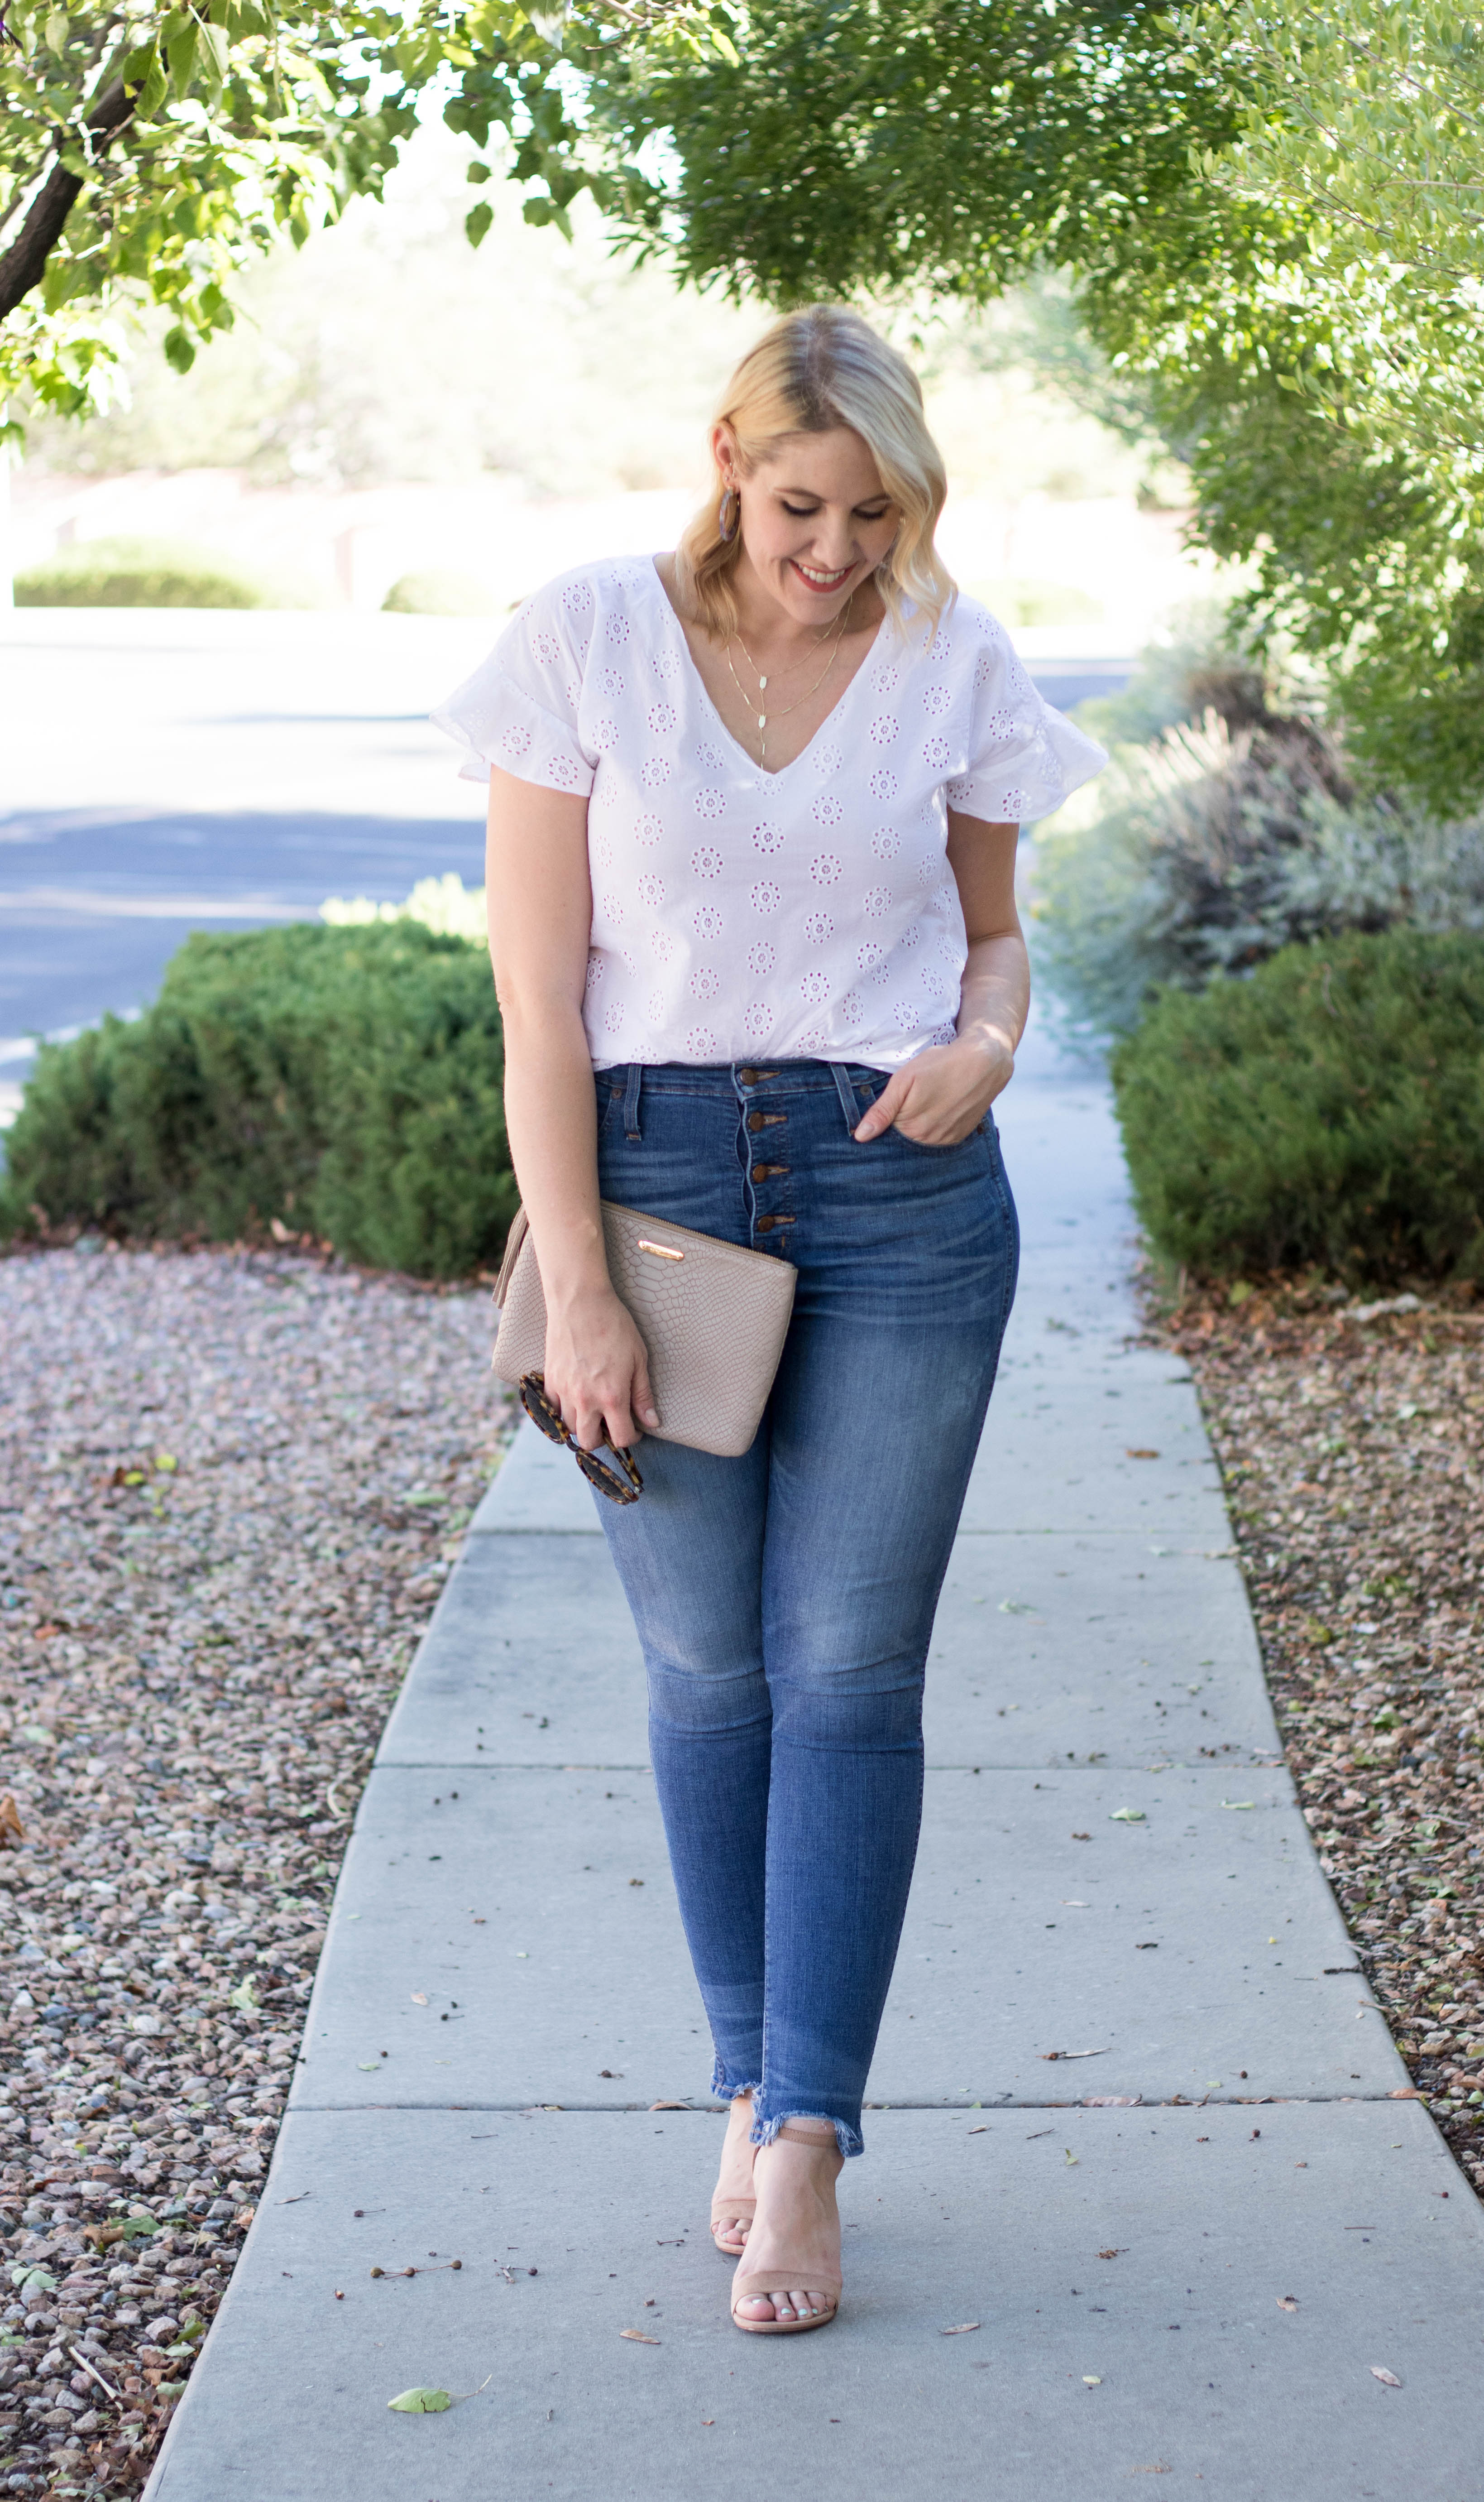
(816, 369)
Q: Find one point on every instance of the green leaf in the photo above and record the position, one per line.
(214, 40)
(181, 53)
(27, 2279)
(179, 351)
(1127, 1816)
(242, 1996)
(420, 2402)
(478, 223)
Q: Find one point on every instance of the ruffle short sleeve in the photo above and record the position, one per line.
(1026, 757)
(522, 708)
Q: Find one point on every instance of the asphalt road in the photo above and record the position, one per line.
(165, 773)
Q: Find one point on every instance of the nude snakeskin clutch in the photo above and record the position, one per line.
(713, 1316)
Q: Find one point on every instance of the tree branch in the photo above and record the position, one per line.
(24, 265)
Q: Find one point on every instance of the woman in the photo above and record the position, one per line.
(753, 820)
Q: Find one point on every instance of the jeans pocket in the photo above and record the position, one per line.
(873, 1088)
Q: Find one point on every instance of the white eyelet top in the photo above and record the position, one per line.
(744, 915)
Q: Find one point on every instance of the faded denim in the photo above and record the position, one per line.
(785, 1600)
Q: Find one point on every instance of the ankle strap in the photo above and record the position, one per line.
(803, 2136)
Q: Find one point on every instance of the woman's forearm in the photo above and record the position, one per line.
(551, 1123)
(540, 915)
(995, 997)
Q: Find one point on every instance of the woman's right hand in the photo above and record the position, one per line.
(596, 1371)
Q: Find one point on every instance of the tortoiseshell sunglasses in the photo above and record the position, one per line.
(548, 1420)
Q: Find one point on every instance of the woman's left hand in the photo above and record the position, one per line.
(944, 1094)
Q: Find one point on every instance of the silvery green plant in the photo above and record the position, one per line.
(1205, 851)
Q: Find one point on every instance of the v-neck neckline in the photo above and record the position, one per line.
(847, 690)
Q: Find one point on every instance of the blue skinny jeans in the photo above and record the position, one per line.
(785, 1600)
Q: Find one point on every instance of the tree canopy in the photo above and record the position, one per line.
(147, 151)
(1273, 217)
(1347, 454)
(1271, 212)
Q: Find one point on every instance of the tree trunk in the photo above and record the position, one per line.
(24, 265)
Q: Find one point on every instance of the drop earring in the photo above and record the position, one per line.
(729, 514)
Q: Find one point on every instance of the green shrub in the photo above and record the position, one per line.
(143, 573)
(345, 1081)
(438, 595)
(1328, 1110)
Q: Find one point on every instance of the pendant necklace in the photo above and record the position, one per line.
(763, 717)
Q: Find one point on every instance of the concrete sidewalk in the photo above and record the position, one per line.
(1120, 1944)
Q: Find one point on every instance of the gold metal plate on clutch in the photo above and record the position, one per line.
(660, 1250)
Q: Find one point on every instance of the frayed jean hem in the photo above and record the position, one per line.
(728, 2087)
(848, 2137)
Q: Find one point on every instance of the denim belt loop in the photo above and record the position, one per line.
(847, 1095)
(632, 1129)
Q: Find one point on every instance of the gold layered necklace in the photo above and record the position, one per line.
(761, 716)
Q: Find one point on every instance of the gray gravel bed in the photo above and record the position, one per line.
(231, 1484)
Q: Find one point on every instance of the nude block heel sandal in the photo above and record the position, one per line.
(723, 2211)
(767, 2288)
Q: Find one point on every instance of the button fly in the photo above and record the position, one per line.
(766, 1172)
(764, 1120)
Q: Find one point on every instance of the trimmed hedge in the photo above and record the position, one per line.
(1327, 1111)
(143, 573)
(438, 595)
(347, 1081)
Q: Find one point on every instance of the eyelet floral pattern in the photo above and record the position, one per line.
(591, 690)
